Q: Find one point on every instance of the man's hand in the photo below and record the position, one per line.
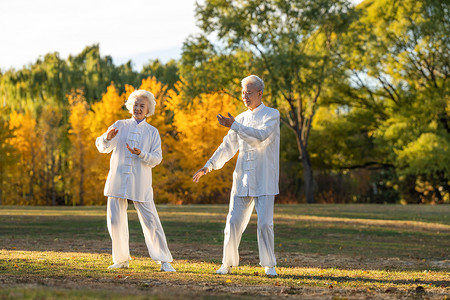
(112, 133)
(133, 150)
(227, 122)
(199, 174)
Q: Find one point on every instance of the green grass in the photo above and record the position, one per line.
(346, 251)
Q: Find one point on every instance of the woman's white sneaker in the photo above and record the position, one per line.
(167, 267)
(224, 269)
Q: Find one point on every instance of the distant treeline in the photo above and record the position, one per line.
(363, 93)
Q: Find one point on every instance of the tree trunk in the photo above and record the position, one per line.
(32, 177)
(53, 180)
(308, 177)
(81, 178)
(1, 186)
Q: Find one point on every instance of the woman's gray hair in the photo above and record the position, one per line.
(255, 80)
(141, 94)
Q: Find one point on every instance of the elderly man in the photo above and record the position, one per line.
(256, 134)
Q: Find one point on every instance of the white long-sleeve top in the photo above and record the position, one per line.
(130, 175)
(256, 134)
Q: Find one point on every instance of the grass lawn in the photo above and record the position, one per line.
(323, 252)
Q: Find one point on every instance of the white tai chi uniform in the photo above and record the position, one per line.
(256, 134)
(130, 177)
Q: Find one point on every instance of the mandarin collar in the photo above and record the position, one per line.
(256, 110)
(136, 122)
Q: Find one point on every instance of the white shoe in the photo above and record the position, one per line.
(224, 269)
(119, 265)
(167, 267)
(270, 271)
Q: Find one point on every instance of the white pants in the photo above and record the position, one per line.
(117, 220)
(241, 209)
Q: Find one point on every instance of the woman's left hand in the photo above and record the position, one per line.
(134, 150)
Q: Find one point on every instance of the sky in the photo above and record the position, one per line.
(137, 30)
(128, 29)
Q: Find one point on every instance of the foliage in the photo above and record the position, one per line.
(397, 56)
(26, 177)
(198, 135)
(79, 138)
(8, 156)
(165, 73)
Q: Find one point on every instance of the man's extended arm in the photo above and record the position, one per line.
(224, 153)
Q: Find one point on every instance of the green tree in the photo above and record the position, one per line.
(397, 55)
(165, 73)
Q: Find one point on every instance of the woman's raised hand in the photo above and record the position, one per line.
(111, 133)
(133, 150)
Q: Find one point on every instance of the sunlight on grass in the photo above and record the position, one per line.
(74, 264)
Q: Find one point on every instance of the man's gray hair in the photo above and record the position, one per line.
(255, 80)
(141, 94)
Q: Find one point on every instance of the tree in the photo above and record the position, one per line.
(397, 55)
(80, 139)
(197, 136)
(165, 73)
(53, 130)
(28, 142)
(287, 43)
(8, 154)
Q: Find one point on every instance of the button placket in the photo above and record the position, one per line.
(128, 156)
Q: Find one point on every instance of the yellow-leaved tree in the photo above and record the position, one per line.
(25, 179)
(81, 150)
(198, 136)
(8, 157)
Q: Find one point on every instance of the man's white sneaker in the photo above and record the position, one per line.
(270, 271)
(167, 267)
(224, 269)
(119, 265)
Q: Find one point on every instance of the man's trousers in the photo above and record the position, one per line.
(155, 238)
(238, 217)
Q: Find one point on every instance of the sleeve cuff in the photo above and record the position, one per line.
(105, 141)
(208, 165)
(141, 155)
(235, 126)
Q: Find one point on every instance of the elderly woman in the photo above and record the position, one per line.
(136, 149)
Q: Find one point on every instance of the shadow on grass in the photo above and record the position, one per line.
(340, 279)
